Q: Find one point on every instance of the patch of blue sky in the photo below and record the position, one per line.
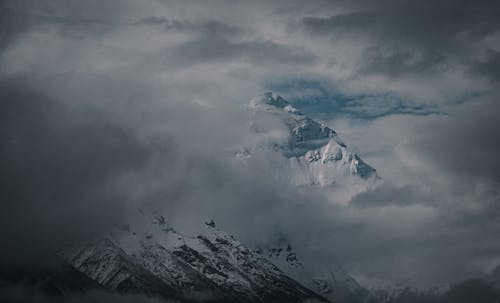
(321, 100)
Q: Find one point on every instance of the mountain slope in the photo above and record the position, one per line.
(330, 281)
(315, 153)
(151, 258)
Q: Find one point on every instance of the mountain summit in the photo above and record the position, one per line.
(315, 153)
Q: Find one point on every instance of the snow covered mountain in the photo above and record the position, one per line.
(150, 257)
(332, 282)
(314, 153)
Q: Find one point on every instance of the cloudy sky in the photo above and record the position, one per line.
(112, 104)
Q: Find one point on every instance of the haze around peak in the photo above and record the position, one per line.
(112, 106)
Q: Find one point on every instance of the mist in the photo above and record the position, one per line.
(110, 107)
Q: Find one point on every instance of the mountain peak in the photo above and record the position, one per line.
(210, 222)
(146, 259)
(313, 149)
(269, 99)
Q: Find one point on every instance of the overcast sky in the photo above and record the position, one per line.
(108, 104)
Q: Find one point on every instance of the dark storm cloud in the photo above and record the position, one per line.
(210, 28)
(394, 63)
(57, 167)
(489, 67)
(436, 24)
(69, 19)
(11, 25)
(259, 52)
(411, 37)
(465, 145)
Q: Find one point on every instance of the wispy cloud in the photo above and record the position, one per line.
(139, 102)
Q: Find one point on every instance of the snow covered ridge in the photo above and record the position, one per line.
(330, 281)
(314, 153)
(152, 258)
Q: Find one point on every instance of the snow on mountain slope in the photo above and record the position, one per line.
(150, 257)
(330, 281)
(314, 153)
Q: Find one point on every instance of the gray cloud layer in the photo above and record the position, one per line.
(108, 105)
(422, 24)
(58, 166)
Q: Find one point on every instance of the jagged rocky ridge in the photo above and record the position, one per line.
(337, 285)
(152, 258)
(315, 153)
(332, 281)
